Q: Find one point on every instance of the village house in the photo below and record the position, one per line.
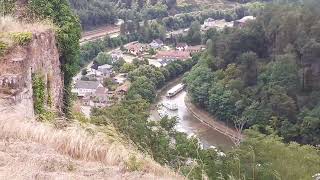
(101, 97)
(156, 44)
(181, 46)
(136, 48)
(106, 70)
(172, 55)
(83, 88)
(242, 22)
(123, 89)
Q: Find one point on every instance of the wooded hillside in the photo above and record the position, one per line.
(265, 74)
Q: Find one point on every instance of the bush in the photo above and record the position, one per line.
(3, 48)
(38, 87)
(21, 38)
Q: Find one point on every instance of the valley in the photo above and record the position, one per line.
(154, 89)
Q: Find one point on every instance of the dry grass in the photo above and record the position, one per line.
(80, 144)
(11, 24)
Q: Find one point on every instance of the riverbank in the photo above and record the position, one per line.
(210, 121)
(187, 122)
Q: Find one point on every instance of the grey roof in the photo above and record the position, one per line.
(87, 84)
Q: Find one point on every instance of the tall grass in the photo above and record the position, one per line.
(11, 24)
(80, 144)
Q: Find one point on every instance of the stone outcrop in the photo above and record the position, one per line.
(17, 66)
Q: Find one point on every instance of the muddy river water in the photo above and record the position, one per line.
(188, 123)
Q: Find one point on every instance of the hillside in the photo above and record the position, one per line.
(29, 149)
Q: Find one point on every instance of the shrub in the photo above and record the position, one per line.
(3, 48)
(7, 7)
(21, 38)
(38, 87)
(133, 164)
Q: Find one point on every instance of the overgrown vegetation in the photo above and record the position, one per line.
(99, 12)
(39, 95)
(41, 99)
(7, 7)
(68, 35)
(21, 38)
(265, 74)
(3, 48)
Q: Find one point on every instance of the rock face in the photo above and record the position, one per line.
(39, 57)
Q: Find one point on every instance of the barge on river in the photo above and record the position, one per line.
(175, 90)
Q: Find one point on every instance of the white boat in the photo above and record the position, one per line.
(175, 90)
(171, 106)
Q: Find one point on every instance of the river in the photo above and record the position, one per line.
(188, 123)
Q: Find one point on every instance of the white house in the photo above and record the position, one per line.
(106, 70)
(83, 88)
(156, 44)
(182, 46)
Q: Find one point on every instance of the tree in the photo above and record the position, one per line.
(127, 67)
(262, 157)
(311, 126)
(84, 72)
(194, 34)
(142, 87)
(152, 51)
(248, 65)
(103, 58)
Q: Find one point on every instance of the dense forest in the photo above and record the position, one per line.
(103, 12)
(265, 74)
(169, 13)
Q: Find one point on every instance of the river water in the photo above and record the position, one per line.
(188, 123)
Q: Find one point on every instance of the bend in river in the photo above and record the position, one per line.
(187, 122)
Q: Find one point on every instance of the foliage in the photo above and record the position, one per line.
(21, 38)
(260, 74)
(133, 164)
(7, 7)
(263, 157)
(39, 96)
(3, 48)
(42, 99)
(94, 13)
(90, 50)
(103, 58)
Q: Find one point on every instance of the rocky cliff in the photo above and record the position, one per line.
(39, 56)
